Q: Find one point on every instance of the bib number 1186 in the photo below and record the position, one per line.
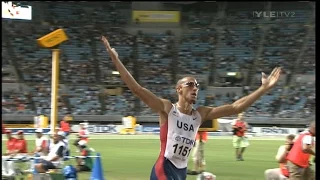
(182, 150)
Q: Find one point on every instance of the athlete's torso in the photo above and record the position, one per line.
(39, 141)
(180, 131)
(83, 133)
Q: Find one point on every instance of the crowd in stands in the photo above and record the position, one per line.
(155, 58)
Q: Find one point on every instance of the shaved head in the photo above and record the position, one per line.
(187, 89)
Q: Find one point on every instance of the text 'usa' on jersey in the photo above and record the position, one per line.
(181, 134)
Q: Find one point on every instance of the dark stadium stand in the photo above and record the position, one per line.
(209, 47)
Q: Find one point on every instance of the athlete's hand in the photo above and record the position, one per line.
(111, 51)
(270, 81)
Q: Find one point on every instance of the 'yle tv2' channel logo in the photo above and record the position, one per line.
(274, 14)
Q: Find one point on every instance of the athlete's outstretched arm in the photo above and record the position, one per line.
(154, 102)
(209, 113)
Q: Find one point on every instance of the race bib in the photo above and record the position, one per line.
(181, 147)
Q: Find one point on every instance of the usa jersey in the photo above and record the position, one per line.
(177, 136)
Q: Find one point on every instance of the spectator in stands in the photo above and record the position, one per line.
(281, 46)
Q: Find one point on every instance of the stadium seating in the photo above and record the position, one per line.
(86, 69)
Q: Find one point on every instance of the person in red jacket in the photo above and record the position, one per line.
(299, 156)
(282, 172)
(65, 127)
(83, 135)
(10, 143)
(21, 143)
(8, 166)
(240, 141)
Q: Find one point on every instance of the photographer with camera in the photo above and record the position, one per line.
(240, 141)
(300, 154)
(281, 173)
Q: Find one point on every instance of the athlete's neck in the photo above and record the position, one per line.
(185, 107)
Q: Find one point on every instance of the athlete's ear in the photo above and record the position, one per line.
(178, 90)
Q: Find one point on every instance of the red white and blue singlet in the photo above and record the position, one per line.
(177, 138)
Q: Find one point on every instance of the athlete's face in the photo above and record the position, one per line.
(56, 138)
(188, 89)
(240, 117)
(20, 136)
(289, 141)
(9, 135)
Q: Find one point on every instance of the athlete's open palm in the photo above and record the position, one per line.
(112, 52)
(270, 81)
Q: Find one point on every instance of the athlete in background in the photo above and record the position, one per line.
(84, 163)
(240, 141)
(179, 122)
(83, 136)
(55, 156)
(41, 143)
(64, 139)
(65, 126)
(199, 161)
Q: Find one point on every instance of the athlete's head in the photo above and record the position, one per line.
(9, 133)
(38, 133)
(187, 88)
(289, 141)
(56, 138)
(241, 116)
(82, 126)
(312, 128)
(20, 134)
(61, 135)
(290, 138)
